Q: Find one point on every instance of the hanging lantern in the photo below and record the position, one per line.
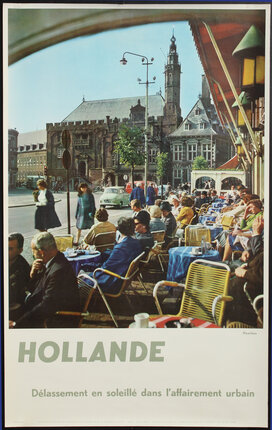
(246, 103)
(250, 50)
(239, 147)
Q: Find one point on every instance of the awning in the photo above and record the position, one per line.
(227, 33)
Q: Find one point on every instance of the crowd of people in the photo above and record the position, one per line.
(36, 292)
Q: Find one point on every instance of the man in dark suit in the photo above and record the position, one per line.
(19, 271)
(53, 285)
(170, 223)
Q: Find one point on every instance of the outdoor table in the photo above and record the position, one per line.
(216, 205)
(195, 322)
(180, 259)
(92, 261)
(214, 229)
(204, 218)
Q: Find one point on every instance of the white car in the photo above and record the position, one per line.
(114, 196)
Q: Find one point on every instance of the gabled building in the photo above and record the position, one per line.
(200, 134)
(94, 125)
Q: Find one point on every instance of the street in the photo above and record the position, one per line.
(21, 215)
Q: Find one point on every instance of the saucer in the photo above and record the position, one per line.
(74, 254)
(151, 324)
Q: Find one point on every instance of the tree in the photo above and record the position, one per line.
(162, 164)
(129, 147)
(200, 163)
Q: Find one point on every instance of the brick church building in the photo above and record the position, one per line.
(94, 125)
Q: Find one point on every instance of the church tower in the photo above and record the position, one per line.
(172, 111)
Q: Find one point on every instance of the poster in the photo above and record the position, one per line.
(181, 378)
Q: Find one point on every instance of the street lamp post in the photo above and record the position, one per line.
(146, 63)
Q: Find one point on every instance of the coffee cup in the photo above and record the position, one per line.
(141, 320)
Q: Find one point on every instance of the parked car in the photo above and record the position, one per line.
(136, 183)
(114, 196)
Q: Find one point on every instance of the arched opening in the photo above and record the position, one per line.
(205, 182)
(228, 182)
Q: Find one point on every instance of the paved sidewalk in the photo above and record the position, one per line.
(23, 197)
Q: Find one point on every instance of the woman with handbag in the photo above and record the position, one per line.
(85, 210)
(45, 215)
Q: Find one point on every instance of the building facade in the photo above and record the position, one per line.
(93, 128)
(32, 155)
(12, 157)
(200, 134)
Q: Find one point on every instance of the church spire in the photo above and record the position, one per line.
(172, 111)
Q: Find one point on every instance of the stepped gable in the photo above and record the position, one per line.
(114, 108)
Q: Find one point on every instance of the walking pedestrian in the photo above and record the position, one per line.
(45, 215)
(150, 195)
(85, 210)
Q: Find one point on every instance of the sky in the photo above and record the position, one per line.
(48, 85)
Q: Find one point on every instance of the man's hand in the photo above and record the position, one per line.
(37, 267)
(240, 272)
(258, 225)
(11, 324)
(245, 256)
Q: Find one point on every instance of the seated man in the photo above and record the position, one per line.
(156, 223)
(102, 226)
(19, 271)
(54, 285)
(136, 207)
(142, 230)
(204, 199)
(120, 257)
(170, 223)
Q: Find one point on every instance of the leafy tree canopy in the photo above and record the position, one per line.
(200, 163)
(129, 146)
(162, 164)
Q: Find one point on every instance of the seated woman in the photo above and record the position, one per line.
(177, 206)
(102, 226)
(120, 257)
(156, 223)
(253, 210)
(186, 213)
(142, 230)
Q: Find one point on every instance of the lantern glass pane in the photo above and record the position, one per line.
(260, 70)
(248, 71)
(240, 119)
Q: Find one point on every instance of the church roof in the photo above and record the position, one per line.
(114, 108)
(206, 115)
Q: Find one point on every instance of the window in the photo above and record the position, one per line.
(197, 111)
(192, 152)
(178, 153)
(152, 155)
(206, 151)
(202, 125)
(60, 151)
(177, 173)
(187, 126)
